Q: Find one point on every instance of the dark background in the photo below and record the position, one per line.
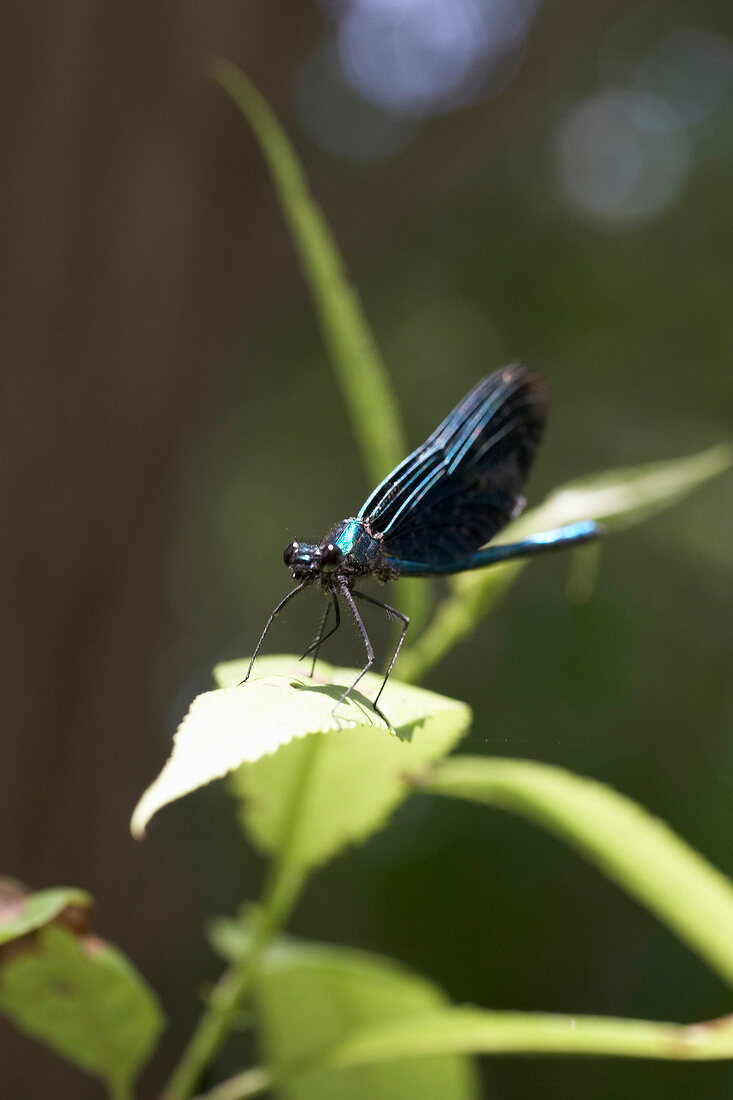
(170, 422)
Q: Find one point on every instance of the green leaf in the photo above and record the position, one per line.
(273, 724)
(473, 1030)
(312, 997)
(639, 852)
(317, 794)
(359, 369)
(621, 498)
(329, 1009)
(84, 1000)
(617, 499)
(22, 913)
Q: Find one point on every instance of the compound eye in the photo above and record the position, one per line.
(290, 551)
(331, 556)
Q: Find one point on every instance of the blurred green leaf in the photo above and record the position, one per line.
(22, 912)
(232, 939)
(639, 852)
(281, 725)
(318, 793)
(617, 499)
(468, 1030)
(621, 498)
(329, 1009)
(83, 999)
(312, 997)
(361, 374)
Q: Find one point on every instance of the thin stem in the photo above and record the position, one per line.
(218, 1018)
(466, 1030)
(251, 1082)
(284, 884)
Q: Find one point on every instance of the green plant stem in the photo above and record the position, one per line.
(285, 883)
(632, 847)
(216, 1022)
(467, 1030)
(251, 1082)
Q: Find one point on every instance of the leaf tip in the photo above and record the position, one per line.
(231, 80)
(140, 818)
(218, 69)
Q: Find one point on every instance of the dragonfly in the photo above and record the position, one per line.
(435, 514)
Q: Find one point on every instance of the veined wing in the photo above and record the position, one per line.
(573, 534)
(456, 491)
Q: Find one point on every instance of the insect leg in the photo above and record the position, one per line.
(404, 619)
(316, 645)
(317, 640)
(270, 621)
(346, 593)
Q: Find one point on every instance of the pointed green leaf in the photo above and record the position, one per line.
(343, 781)
(621, 498)
(83, 999)
(319, 793)
(616, 498)
(361, 374)
(639, 852)
(359, 370)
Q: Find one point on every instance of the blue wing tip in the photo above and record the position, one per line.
(585, 529)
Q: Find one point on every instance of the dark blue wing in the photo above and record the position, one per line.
(453, 494)
(574, 534)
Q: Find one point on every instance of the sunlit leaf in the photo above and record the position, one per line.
(311, 998)
(616, 498)
(342, 779)
(639, 852)
(319, 793)
(82, 998)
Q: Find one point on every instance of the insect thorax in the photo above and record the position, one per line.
(362, 551)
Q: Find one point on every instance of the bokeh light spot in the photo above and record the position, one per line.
(692, 70)
(622, 156)
(419, 56)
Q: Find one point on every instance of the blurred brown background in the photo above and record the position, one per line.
(170, 423)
